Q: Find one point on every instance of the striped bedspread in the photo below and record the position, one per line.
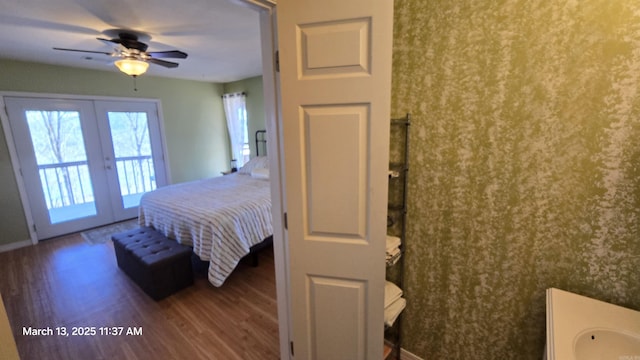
(221, 218)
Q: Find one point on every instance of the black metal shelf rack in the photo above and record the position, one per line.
(396, 216)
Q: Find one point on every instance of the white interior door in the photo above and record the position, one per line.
(335, 73)
(67, 157)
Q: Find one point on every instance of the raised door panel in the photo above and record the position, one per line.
(335, 63)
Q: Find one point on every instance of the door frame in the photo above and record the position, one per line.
(13, 154)
(268, 35)
(267, 11)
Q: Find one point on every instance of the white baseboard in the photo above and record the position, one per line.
(406, 355)
(15, 245)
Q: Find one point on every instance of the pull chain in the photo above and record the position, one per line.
(135, 85)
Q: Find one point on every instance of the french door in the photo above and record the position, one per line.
(85, 163)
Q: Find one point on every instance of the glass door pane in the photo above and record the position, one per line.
(132, 148)
(133, 155)
(61, 159)
(61, 163)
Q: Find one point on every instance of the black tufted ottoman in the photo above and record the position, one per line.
(158, 265)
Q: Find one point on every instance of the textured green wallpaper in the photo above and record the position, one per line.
(525, 166)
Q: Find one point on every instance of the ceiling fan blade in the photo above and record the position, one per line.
(115, 41)
(173, 54)
(84, 51)
(167, 64)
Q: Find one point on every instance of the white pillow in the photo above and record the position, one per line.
(260, 174)
(259, 162)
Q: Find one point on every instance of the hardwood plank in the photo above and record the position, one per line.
(65, 282)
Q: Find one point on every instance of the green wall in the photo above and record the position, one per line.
(195, 130)
(525, 166)
(255, 106)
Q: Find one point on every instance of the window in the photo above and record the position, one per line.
(246, 151)
(236, 113)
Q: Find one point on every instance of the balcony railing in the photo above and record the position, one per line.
(66, 184)
(69, 183)
(135, 174)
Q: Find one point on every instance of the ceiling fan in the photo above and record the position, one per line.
(133, 54)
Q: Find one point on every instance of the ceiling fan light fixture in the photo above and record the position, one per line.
(132, 67)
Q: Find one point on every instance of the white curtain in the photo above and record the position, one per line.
(235, 111)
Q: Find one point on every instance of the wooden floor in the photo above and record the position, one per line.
(68, 283)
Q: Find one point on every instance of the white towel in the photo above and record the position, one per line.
(392, 312)
(392, 242)
(393, 258)
(391, 293)
(392, 253)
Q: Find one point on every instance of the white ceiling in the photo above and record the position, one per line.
(221, 38)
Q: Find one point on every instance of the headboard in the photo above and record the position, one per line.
(261, 138)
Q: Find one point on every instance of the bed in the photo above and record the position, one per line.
(221, 218)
